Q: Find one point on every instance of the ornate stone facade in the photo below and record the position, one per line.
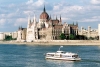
(21, 34)
(89, 32)
(47, 28)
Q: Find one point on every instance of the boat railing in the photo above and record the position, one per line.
(60, 47)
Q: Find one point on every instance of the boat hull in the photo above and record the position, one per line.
(67, 59)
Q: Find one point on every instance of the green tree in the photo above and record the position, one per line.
(62, 36)
(91, 38)
(81, 37)
(71, 36)
(7, 37)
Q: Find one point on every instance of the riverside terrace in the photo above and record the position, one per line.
(55, 42)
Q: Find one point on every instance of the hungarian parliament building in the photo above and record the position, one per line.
(48, 29)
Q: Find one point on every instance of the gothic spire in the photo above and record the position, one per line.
(56, 17)
(44, 9)
(77, 23)
(34, 19)
(50, 17)
(60, 19)
(19, 28)
(29, 21)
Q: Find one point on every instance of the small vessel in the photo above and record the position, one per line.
(62, 55)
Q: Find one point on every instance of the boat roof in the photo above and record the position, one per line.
(50, 53)
(60, 51)
(68, 53)
(63, 52)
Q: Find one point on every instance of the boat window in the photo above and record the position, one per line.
(50, 54)
(75, 56)
(66, 56)
(63, 52)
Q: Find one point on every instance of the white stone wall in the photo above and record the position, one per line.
(66, 41)
(2, 37)
(99, 30)
(14, 34)
(89, 33)
(8, 33)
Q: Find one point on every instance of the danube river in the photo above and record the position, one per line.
(34, 56)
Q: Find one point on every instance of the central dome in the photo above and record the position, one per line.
(44, 14)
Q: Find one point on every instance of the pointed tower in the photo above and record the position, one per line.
(50, 17)
(29, 21)
(34, 22)
(56, 17)
(77, 23)
(19, 28)
(33, 29)
(44, 9)
(34, 19)
(60, 20)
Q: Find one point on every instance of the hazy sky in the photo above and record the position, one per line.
(14, 13)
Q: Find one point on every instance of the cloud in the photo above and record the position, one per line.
(56, 8)
(95, 1)
(29, 2)
(78, 12)
(96, 17)
(11, 6)
(91, 19)
(63, 18)
(20, 21)
(2, 22)
(16, 15)
(68, 12)
(37, 3)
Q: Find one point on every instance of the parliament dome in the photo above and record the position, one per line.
(44, 15)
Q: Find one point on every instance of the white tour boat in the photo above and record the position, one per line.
(62, 55)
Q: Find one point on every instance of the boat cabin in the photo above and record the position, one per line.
(60, 52)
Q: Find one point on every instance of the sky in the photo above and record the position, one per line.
(15, 13)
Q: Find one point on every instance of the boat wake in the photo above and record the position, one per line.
(89, 60)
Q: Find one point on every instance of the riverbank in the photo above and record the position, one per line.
(55, 42)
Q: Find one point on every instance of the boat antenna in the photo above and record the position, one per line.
(60, 47)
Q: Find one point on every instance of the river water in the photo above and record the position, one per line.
(34, 56)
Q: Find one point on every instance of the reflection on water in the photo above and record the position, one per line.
(91, 60)
(60, 63)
